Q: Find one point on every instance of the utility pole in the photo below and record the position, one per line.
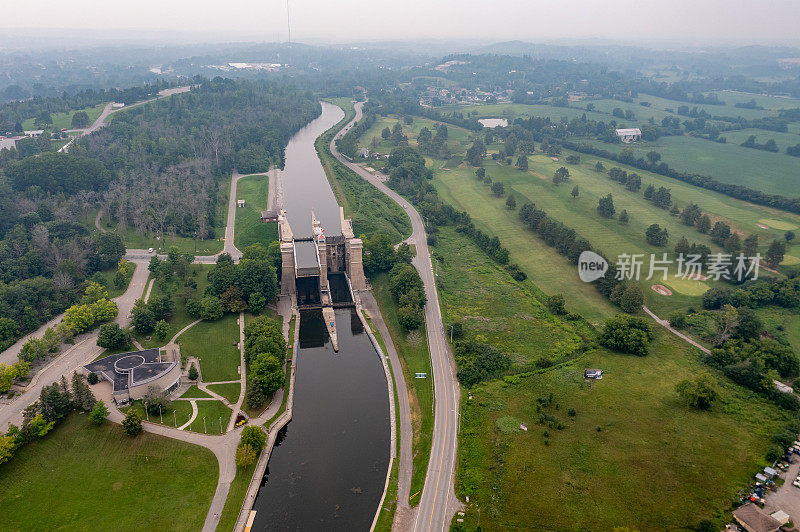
(204, 425)
(195, 241)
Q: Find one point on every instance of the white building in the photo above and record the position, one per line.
(629, 135)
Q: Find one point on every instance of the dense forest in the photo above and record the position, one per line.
(157, 167)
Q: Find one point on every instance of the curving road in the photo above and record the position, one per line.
(438, 503)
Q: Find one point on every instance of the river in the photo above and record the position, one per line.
(328, 468)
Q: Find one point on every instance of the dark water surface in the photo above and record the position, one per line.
(329, 469)
(305, 185)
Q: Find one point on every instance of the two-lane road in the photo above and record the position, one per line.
(438, 503)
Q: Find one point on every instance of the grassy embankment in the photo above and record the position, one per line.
(72, 477)
(249, 229)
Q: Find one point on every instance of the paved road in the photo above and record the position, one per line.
(84, 350)
(438, 504)
(109, 110)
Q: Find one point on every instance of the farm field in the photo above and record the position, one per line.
(213, 343)
(71, 478)
(776, 173)
(249, 228)
(629, 431)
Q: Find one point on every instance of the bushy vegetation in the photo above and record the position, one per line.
(264, 352)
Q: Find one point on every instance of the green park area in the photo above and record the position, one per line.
(174, 415)
(74, 478)
(249, 228)
(228, 390)
(64, 120)
(616, 443)
(212, 417)
(214, 343)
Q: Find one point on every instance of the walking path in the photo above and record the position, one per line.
(243, 372)
(666, 325)
(191, 419)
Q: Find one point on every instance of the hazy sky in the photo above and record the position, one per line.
(682, 21)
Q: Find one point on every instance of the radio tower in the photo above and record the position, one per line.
(288, 22)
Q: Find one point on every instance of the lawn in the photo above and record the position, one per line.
(213, 342)
(64, 120)
(178, 413)
(228, 390)
(194, 392)
(630, 439)
(249, 228)
(413, 351)
(82, 477)
(180, 294)
(106, 278)
(212, 417)
(456, 136)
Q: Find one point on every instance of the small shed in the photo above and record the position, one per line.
(629, 134)
(761, 478)
(781, 517)
(240, 203)
(769, 472)
(753, 519)
(363, 152)
(269, 216)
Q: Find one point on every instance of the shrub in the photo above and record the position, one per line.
(92, 378)
(99, 413)
(111, 336)
(245, 456)
(677, 319)
(193, 373)
(627, 334)
(132, 424)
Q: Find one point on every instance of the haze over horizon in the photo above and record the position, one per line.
(681, 22)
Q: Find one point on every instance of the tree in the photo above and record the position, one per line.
(560, 176)
(92, 378)
(627, 334)
(556, 304)
(480, 173)
(599, 167)
(245, 456)
(720, 233)
(44, 119)
(257, 302)
(704, 224)
(161, 330)
(511, 202)
(111, 336)
(750, 247)
(254, 437)
(267, 372)
(193, 308)
(193, 373)
(700, 393)
(624, 217)
(733, 244)
(99, 413)
(80, 120)
(677, 319)
(749, 325)
(522, 162)
(605, 206)
(498, 189)
(575, 192)
(255, 397)
(410, 317)
(7, 447)
(657, 236)
(386, 133)
(789, 236)
(775, 253)
(132, 424)
(211, 308)
(142, 318)
(631, 299)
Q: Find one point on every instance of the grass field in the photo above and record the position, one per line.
(228, 390)
(212, 417)
(79, 473)
(630, 439)
(64, 120)
(249, 228)
(180, 318)
(178, 413)
(413, 351)
(194, 392)
(495, 308)
(775, 173)
(213, 343)
(456, 136)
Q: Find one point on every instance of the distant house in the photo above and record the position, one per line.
(6, 143)
(240, 203)
(363, 152)
(630, 134)
(269, 216)
(117, 105)
(34, 132)
(753, 519)
(594, 374)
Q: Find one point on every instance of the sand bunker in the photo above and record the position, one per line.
(661, 289)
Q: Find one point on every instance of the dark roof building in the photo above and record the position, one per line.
(131, 374)
(753, 519)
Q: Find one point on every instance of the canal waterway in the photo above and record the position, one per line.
(328, 470)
